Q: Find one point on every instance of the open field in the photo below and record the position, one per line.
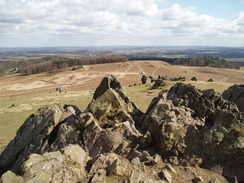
(21, 96)
(128, 73)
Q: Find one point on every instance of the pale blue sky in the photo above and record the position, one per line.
(39, 23)
(217, 8)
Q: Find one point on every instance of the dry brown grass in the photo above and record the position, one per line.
(28, 93)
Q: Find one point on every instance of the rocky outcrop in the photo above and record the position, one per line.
(110, 102)
(113, 141)
(172, 129)
(158, 83)
(235, 94)
(51, 128)
(176, 116)
(223, 128)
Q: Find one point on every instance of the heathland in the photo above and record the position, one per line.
(21, 95)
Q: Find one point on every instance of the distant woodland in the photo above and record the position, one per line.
(55, 63)
(206, 61)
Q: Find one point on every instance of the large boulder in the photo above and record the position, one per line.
(172, 129)
(51, 128)
(144, 79)
(203, 103)
(111, 103)
(194, 79)
(235, 94)
(55, 167)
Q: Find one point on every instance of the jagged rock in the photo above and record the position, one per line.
(235, 94)
(204, 103)
(158, 83)
(38, 134)
(194, 78)
(172, 129)
(110, 102)
(10, 177)
(223, 129)
(114, 114)
(53, 167)
(112, 141)
(104, 161)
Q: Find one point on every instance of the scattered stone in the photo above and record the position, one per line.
(215, 181)
(10, 177)
(99, 177)
(166, 176)
(144, 79)
(152, 79)
(157, 158)
(194, 79)
(135, 161)
(158, 83)
(12, 105)
(210, 80)
(197, 180)
(136, 176)
(170, 168)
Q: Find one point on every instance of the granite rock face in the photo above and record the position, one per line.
(51, 128)
(223, 128)
(113, 141)
(172, 129)
(235, 94)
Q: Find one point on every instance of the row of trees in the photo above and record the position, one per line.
(206, 61)
(47, 64)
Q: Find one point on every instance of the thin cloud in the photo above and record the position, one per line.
(109, 22)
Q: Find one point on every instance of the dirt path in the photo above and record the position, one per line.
(128, 73)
